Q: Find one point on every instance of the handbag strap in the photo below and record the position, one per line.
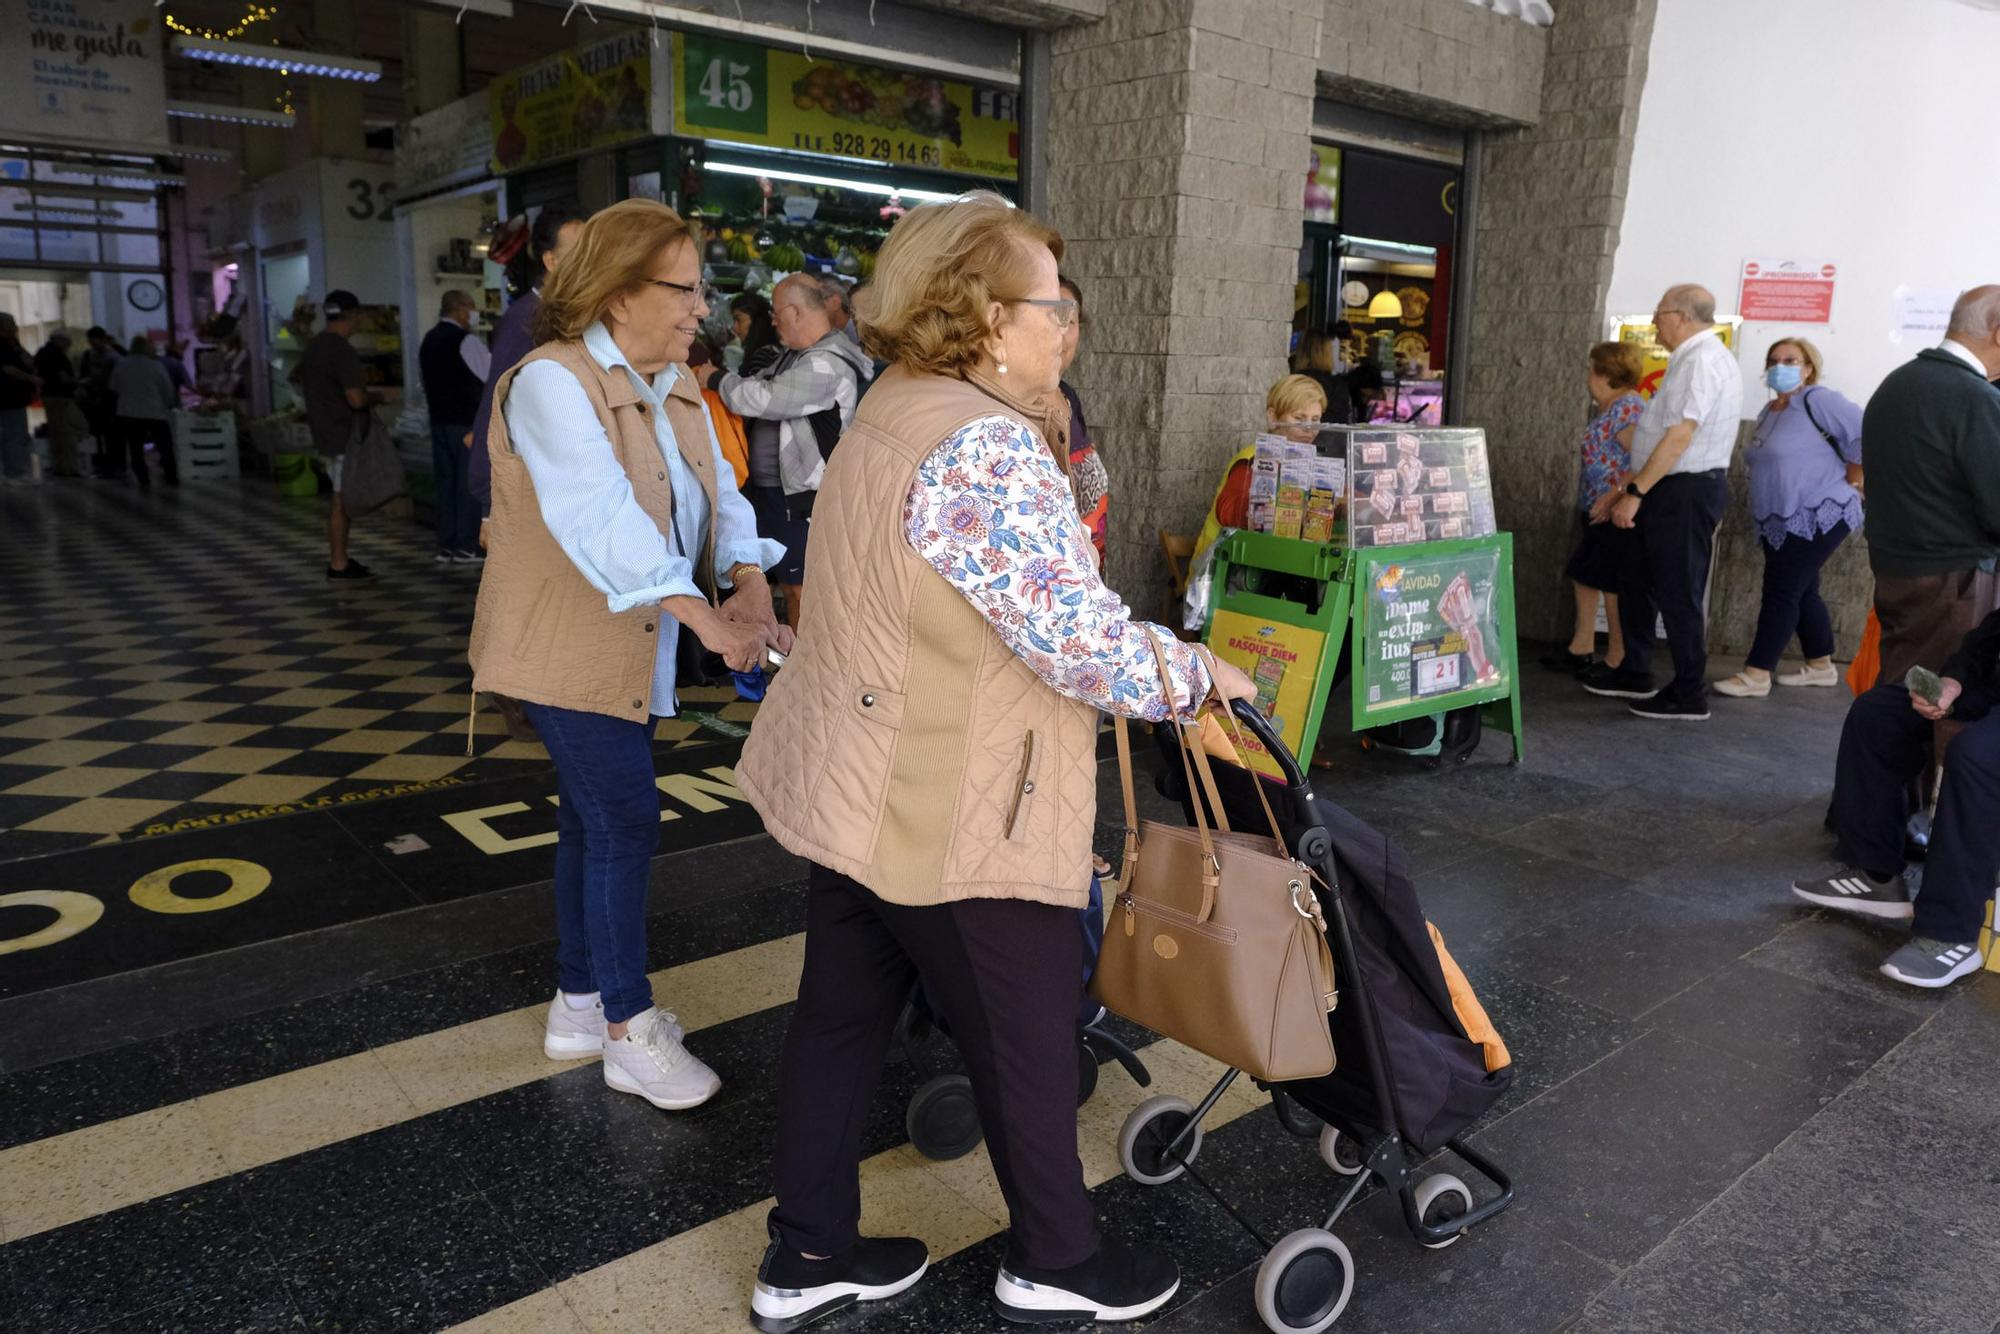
(1805, 401)
(1242, 748)
(1211, 871)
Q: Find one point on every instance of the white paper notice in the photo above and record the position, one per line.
(1922, 314)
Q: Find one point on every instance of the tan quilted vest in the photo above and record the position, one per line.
(541, 632)
(904, 745)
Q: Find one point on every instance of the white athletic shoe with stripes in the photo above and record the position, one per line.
(1855, 891)
(1932, 963)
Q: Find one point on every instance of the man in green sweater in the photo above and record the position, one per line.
(1930, 444)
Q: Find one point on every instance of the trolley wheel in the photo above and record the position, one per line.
(943, 1119)
(1304, 1283)
(1440, 1199)
(1343, 1153)
(1086, 1070)
(1146, 1134)
(1293, 1117)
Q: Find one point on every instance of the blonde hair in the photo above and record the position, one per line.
(614, 252)
(925, 307)
(1807, 353)
(1294, 393)
(1315, 352)
(1619, 364)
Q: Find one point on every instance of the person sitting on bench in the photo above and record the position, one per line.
(1885, 744)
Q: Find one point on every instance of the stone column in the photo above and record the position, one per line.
(433, 70)
(1553, 201)
(1177, 142)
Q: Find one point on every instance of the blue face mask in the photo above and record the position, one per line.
(1784, 379)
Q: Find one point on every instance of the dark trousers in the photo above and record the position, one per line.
(1884, 746)
(1792, 604)
(1668, 575)
(133, 434)
(457, 511)
(1005, 978)
(608, 827)
(1923, 619)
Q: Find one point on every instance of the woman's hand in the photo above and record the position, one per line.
(751, 605)
(1600, 509)
(1231, 681)
(740, 646)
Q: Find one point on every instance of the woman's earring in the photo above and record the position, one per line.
(1003, 368)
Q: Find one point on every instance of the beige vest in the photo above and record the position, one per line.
(904, 745)
(541, 631)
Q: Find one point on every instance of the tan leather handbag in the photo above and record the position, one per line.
(1216, 939)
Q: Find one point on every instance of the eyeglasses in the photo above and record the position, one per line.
(1063, 308)
(703, 293)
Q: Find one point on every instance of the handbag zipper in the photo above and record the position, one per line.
(1188, 921)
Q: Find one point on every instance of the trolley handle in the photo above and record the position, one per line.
(1260, 727)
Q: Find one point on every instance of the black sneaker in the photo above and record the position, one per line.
(1560, 659)
(1665, 708)
(1856, 891)
(1618, 683)
(1118, 1283)
(355, 570)
(793, 1291)
(465, 556)
(443, 556)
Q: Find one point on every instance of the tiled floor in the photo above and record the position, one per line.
(1724, 1119)
(175, 660)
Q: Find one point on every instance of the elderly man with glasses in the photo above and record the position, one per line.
(1675, 497)
(793, 414)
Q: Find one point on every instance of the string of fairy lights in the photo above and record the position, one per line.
(253, 14)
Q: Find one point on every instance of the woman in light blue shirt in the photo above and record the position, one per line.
(616, 526)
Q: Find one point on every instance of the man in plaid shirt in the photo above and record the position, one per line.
(793, 414)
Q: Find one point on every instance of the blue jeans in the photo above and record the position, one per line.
(608, 826)
(457, 511)
(1792, 603)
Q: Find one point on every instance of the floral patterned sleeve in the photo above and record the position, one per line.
(993, 514)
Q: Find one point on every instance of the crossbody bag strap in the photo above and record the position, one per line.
(1805, 401)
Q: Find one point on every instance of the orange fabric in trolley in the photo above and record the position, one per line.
(1471, 1014)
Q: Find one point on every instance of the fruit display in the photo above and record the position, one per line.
(881, 97)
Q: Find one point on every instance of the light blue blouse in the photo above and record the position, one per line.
(587, 502)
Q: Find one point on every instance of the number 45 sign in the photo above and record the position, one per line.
(726, 90)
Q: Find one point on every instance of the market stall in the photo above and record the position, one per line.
(1373, 556)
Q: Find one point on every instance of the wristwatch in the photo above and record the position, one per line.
(1632, 490)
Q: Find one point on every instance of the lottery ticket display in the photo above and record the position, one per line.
(1417, 485)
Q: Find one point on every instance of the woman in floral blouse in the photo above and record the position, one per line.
(1604, 548)
(1088, 477)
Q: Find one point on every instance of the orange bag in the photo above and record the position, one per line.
(729, 434)
(1867, 664)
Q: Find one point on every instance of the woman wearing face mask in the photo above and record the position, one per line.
(1805, 498)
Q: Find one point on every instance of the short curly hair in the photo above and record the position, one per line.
(941, 267)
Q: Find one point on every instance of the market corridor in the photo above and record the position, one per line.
(321, 1102)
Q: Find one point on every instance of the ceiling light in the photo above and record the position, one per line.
(281, 58)
(1386, 306)
(277, 120)
(190, 153)
(503, 9)
(142, 175)
(836, 182)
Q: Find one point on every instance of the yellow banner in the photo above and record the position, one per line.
(1653, 356)
(778, 99)
(1284, 662)
(573, 103)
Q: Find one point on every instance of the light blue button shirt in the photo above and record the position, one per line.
(587, 502)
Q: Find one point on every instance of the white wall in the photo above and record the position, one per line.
(1857, 132)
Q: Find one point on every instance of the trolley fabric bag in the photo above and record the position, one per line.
(1216, 939)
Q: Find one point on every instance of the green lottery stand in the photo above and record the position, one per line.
(1428, 608)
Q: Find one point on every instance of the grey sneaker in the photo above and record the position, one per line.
(1856, 891)
(1932, 963)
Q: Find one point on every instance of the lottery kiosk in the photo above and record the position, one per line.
(1380, 543)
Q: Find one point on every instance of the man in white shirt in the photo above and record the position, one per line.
(1675, 496)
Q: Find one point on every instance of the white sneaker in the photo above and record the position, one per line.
(651, 1062)
(571, 1033)
(1740, 686)
(1828, 675)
